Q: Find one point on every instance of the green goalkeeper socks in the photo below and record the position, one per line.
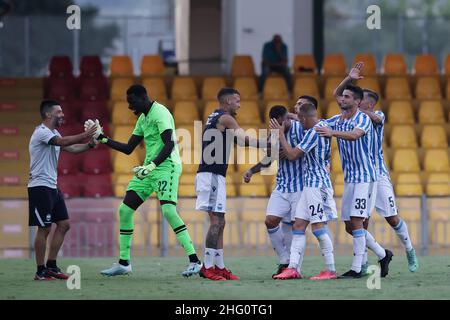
(126, 230)
(178, 226)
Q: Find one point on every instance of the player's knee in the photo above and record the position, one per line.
(393, 221)
(64, 226)
(348, 228)
(271, 222)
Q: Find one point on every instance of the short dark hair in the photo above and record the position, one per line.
(309, 109)
(225, 92)
(46, 106)
(137, 90)
(357, 91)
(277, 111)
(310, 99)
(372, 94)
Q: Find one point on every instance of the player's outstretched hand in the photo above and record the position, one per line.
(247, 176)
(88, 124)
(355, 72)
(141, 172)
(90, 132)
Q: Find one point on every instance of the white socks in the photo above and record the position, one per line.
(287, 232)
(218, 259)
(276, 236)
(213, 257)
(359, 246)
(326, 247)
(297, 249)
(374, 246)
(402, 232)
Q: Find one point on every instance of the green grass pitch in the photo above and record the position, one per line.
(159, 278)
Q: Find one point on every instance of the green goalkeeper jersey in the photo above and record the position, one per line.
(158, 120)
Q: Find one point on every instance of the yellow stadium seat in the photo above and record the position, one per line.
(183, 88)
(252, 190)
(121, 66)
(185, 112)
(248, 113)
(275, 88)
(247, 88)
(406, 160)
(331, 83)
(338, 183)
(121, 115)
(272, 103)
(242, 66)
(438, 184)
(394, 64)
(334, 64)
(152, 65)
(211, 86)
(156, 88)
(304, 63)
(425, 64)
(121, 183)
(400, 112)
(336, 166)
(428, 88)
(436, 160)
(333, 109)
(190, 167)
(446, 67)
(306, 86)
(433, 136)
(370, 65)
(187, 178)
(123, 163)
(231, 190)
(403, 136)
(210, 106)
(447, 89)
(122, 133)
(186, 190)
(397, 88)
(408, 184)
(119, 87)
(431, 112)
(370, 83)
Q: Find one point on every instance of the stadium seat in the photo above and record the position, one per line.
(436, 160)
(122, 133)
(60, 67)
(338, 183)
(242, 66)
(186, 190)
(95, 110)
(433, 136)
(119, 87)
(246, 87)
(394, 64)
(121, 182)
(334, 64)
(336, 166)
(431, 112)
(121, 115)
(72, 112)
(156, 88)
(370, 83)
(183, 88)
(397, 89)
(62, 89)
(253, 190)
(428, 88)
(408, 184)
(425, 65)
(123, 163)
(331, 83)
(304, 64)
(152, 65)
(121, 66)
(403, 136)
(92, 89)
(69, 163)
(406, 160)
(333, 109)
(185, 112)
(248, 113)
(275, 88)
(306, 86)
(70, 185)
(211, 86)
(447, 90)
(97, 162)
(91, 67)
(370, 65)
(210, 106)
(438, 185)
(97, 185)
(400, 112)
(70, 129)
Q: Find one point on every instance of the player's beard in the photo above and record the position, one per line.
(58, 122)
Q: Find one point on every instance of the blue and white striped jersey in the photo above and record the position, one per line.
(317, 157)
(357, 159)
(289, 175)
(378, 145)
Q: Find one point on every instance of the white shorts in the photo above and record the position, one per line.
(211, 192)
(283, 204)
(385, 201)
(358, 200)
(316, 205)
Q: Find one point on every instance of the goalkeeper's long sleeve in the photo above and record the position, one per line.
(126, 148)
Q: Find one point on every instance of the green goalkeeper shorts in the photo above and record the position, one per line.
(163, 181)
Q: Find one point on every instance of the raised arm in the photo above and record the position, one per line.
(354, 74)
(373, 116)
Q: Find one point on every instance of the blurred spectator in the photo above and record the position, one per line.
(275, 59)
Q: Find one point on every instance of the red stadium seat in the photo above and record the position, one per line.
(92, 89)
(70, 185)
(91, 67)
(62, 89)
(71, 112)
(97, 185)
(95, 110)
(60, 67)
(70, 129)
(97, 162)
(69, 163)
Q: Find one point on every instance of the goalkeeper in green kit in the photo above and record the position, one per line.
(160, 173)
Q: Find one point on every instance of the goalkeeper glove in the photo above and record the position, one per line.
(98, 136)
(142, 172)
